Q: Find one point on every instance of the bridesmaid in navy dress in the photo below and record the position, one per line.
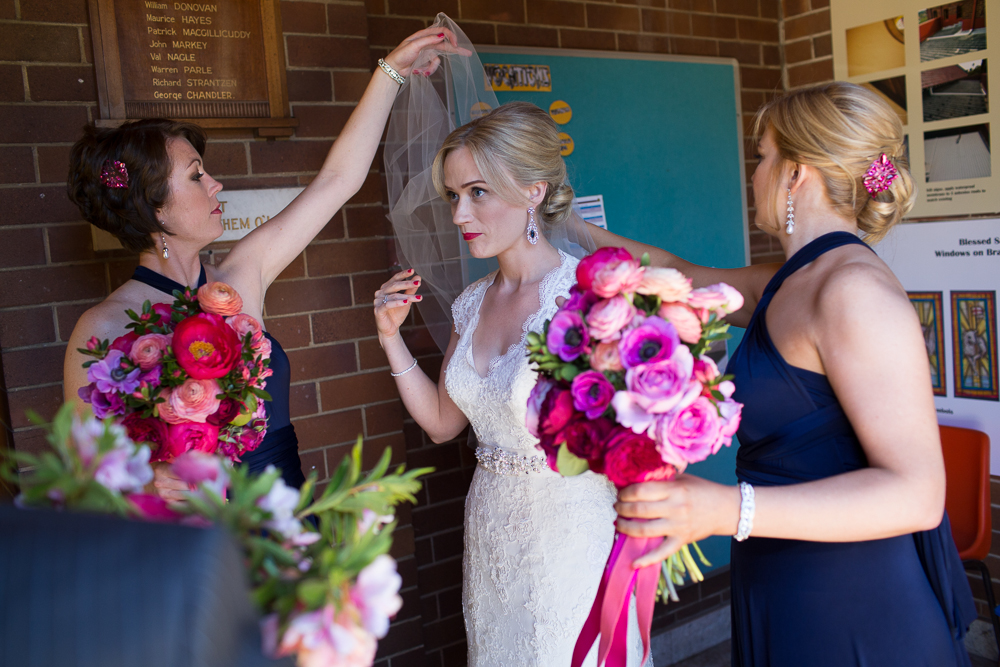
(842, 554)
(164, 206)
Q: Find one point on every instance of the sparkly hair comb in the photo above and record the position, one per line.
(114, 174)
(880, 175)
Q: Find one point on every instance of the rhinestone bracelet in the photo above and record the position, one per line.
(502, 462)
(393, 74)
(747, 508)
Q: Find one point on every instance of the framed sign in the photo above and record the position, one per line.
(219, 63)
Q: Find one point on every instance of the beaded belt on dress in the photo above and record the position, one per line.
(502, 462)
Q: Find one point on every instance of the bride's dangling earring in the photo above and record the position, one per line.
(532, 227)
(790, 223)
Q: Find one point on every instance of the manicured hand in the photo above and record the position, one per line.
(433, 40)
(166, 484)
(393, 300)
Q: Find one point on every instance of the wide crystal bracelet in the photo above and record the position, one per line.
(747, 508)
(393, 74)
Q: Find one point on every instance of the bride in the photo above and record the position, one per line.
(535, 542)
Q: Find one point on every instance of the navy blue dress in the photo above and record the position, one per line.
(898, 601)
(280, 447)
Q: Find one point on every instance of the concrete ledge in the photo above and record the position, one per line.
(699, 634)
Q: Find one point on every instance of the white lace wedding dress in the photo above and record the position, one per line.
(535, 543)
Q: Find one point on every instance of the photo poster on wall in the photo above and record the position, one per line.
(929, 61)
(951, 272)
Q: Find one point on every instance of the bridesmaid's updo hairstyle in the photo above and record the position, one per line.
(128, 213)
(515, 145)
(839, 129)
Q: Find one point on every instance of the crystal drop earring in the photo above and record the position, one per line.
(166, 252)
(790, 224)
(532, 227)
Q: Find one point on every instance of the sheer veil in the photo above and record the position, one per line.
(426, 110)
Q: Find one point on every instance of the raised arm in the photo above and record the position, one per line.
(271, 247)
(428, 403)
(749, 280)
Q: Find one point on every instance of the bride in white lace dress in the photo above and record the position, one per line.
(535, 542)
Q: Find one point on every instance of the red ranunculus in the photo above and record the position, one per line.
(609, 271)
(228, 409)
(205, 346)
(557, 411)
(587, 439)
(146, 429)
(186, 436)
(632, 458)
(124, 343)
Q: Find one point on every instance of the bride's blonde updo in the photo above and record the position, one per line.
(839, 129)
(514, 146)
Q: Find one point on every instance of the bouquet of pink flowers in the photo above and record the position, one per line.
(186, 376)
(626, 389)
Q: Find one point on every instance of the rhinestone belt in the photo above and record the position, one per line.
(502, 462)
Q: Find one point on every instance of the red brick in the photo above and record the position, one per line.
(374, 447)
(288, 156)
(365, 285)
(758, 30)
(41, 124)
(644, 43)
(586, 39)
(308, 17)
(689, 46)
(810, 73)
(419, 342)
(21, 246)
(507, 11)
(31, 441)
(314, 461)
(57, 11)
(7, 10)
(292, 331)
(422, 8)
(388, 32)
(796, 7)
(823, 46)
(316, 51)
(742, 7)
(375, 6)
(33, 366)
(334, 229)
(514, 35)
(750, 101)
(704, 6)
(348, 257)
(344, 324)
(310, 363)
(62, 84)
(71, 243)
(760, 78)
(298, 296)
(769, 9)
(372, 192)
(669, 23)
(29, 326)
(69, 315)
(372, 356)
(384, 418)
(309, 86)
(772, 55)
(226, 158)
(480, 33)
(746, 53)
(302, 400)
(328, 429)
(17, 164)
(820, 4)
(258, 182)
(46, 401)
(556, 12)
(53, 163)
(347, 20)
(295, 269)
(716, 27)
(23, 287)
(321, 121)
(350, 86)
(11, 83)
(796, 52)
(809, 24)
(611, 17)
(39, 43)
(365, 221)
(356, 390)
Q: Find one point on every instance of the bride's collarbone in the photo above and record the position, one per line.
(501, 323)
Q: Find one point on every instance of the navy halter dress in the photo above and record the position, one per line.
(280, 447)
(898, 601)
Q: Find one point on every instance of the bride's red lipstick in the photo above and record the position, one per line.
(468, 236)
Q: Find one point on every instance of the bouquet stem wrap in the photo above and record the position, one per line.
(609, 615)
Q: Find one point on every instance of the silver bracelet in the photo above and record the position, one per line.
(393, 74)
(747, 508)
(412, 366)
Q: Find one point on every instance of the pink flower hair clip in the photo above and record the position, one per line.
(114, 174)
(880, 175)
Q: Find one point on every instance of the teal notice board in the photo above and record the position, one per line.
(661, 138)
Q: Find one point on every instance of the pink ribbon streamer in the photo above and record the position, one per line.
(609, 615)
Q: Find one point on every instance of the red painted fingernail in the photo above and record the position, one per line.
(409, 270)
(418, 297)
(416, 282)
(440, 34)
(406, 300)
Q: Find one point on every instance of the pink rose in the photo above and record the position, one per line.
(705, 370)
(605, 357)
(608, 272)
(632, 458)
(262, 347)
(608, 317)
(684, 319)
(195, 400)
(689, 435)
(729, 413)
(656, 388)
(148, 350)
(668, 284)
(323, 638)
(188, 436)
(220, 299)
(720, 298)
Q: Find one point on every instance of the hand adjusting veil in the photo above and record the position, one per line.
(425, 112)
